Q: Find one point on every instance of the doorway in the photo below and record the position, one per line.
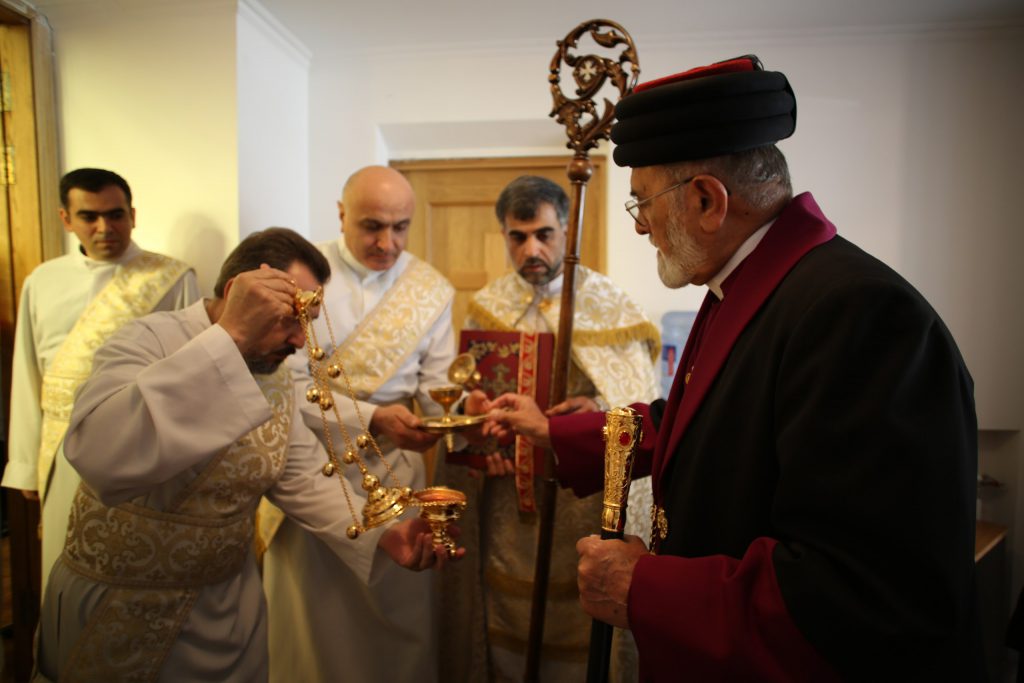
(454, 227)
(30, 233)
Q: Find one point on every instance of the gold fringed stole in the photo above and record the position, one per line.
(376, 349)
(134, 291)
(614, 343)
(156, 563)
(642, 331)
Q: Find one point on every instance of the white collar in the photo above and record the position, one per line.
(748, 246)
(131, 252)
(368, 275)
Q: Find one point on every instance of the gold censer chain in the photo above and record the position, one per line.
(384, 503)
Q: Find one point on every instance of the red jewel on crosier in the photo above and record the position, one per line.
(624, 438)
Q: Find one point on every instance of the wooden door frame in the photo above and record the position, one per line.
(471, 163)
(38, 237)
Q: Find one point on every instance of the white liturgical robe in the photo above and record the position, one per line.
(168, 394)
(53, 297)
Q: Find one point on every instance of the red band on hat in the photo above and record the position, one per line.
(726, 67)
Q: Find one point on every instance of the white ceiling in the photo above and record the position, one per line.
(328, 26)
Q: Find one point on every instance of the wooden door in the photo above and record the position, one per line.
(30, 232)
(454, 227)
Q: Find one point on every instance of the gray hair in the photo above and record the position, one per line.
(760, 176)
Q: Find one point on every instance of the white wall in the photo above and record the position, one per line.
(148, 90)
(273, 124)
(909, 140)
(903, 138)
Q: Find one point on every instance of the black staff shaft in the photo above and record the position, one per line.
(599, 658)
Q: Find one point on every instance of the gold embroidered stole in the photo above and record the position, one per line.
(525, 468)
(376, 349)
(613, 342)
(134, 291)
(155, 563)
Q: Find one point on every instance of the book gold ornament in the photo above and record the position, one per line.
(439, 505)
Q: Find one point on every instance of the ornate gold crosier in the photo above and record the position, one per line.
(586, 127)
(439, 505)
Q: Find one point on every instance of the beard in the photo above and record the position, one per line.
(543, 276)
(268, 364)
(682, 256)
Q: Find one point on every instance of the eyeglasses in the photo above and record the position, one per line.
(633, 205)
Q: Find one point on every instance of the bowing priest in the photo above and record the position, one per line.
(390, 314)
(187, 419)
(68, 306)
(814, 467)
(613, 353)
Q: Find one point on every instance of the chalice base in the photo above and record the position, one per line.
(440, 506)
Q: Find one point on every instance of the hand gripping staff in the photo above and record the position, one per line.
(622, 432)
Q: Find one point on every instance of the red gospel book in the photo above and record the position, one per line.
(518, 362)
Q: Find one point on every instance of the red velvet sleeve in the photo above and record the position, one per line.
(718, 618)
(579, 449)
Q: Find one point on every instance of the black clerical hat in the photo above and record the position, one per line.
(723, 108)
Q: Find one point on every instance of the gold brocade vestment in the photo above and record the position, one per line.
(613, 351)
(155, 562)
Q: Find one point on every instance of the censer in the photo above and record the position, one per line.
(439, 505)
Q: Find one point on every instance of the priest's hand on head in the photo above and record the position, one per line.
(259, 307)
(399, 424)
(410, 544)
(604, 575)
(519, 414)
(574, 404)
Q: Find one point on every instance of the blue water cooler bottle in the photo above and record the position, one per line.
(675, 328)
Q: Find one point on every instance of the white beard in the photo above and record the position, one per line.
(682, 256)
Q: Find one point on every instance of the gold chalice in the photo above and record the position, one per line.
(463, 375)
(440, 506)
(446, 396)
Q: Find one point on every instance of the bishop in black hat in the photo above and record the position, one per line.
(814, 465)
